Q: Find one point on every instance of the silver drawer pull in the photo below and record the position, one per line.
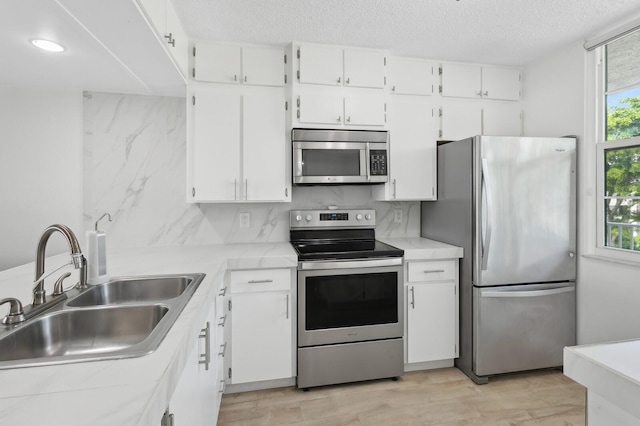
(221, 390)
(223, 349)
(259, 281)
(223, 291)
(205, 358)
(223, 320)
(433, 271)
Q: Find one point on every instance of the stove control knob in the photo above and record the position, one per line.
(359, 216)
(298, 218)
(367, 216)
(308, 218)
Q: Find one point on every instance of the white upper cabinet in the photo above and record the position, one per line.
(230, 64)
(411, 76)
(320, 65)
(460, 121)
(364, 68)
(169, 29)
(320, 109)
(365, 111)
(217, 63)
(335, 66)
(237, 148)
(263, 66)
(475, 81)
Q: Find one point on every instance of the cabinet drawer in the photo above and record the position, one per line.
(260, 280)
(435, 270)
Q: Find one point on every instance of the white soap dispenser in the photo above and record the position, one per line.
(97, 254)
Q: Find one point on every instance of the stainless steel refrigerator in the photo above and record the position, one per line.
(510, 202)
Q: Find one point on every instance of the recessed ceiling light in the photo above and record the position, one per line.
(49, 46)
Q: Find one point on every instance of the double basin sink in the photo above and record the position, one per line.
(123, 318)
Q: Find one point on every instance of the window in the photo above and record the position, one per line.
(619, 146)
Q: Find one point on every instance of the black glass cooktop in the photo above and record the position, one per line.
(340, 244)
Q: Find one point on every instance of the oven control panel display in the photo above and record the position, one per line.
(334, 216)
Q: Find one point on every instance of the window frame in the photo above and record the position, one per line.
(601, 146)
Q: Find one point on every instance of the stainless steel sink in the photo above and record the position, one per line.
(133, 290)
(124, 318)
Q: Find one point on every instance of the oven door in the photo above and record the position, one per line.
(349, 301)
(329, 162)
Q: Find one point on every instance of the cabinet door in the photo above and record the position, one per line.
(410, 76)
(320, 109)
(216, 147)
(412, 143)
(178, 43)
(208, 383)
(185, 403)
(364, 68)
(461, 80)
(262, 66)
(263, 149)
(365, 111)
(320, 65)
(261, 336)
(217, 63)
(431, 321)
(501, 83)
(461, 121)
(502, 119)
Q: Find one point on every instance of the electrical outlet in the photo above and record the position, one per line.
(397, 216)
(245, 220)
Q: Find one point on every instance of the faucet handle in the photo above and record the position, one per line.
(57, 287)
(16, 313)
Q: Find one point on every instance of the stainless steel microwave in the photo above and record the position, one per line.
(329, 157)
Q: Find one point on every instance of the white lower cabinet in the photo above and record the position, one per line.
(196, 399)
(432, 310)
(261, 321)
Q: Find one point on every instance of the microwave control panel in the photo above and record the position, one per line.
(378, 162)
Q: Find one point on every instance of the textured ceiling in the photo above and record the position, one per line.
(509, 32)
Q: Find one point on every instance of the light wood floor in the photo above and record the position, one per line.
(433, 397)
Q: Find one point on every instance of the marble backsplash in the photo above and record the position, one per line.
(134, 167)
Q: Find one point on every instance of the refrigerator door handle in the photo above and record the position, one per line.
(531, 293)
(487, 237)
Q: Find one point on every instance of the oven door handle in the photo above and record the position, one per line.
(349, 264)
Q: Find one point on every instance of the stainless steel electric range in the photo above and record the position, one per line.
(350, 306)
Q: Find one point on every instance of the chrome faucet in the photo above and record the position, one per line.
(78, 259)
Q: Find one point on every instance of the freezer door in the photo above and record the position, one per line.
(526, 210)
(524, 327)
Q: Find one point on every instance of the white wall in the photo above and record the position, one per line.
(555, 104)
(40, 170)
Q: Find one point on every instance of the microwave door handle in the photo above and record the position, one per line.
(367, 159)
(297, 159)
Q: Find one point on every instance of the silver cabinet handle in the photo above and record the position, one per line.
(223, 349)
(259, 281)
(246, 186)
(349, 119)
(394, 188)
(287, 306)
(433, 271)
(413, 297)
(347, 81)
(486, 93)
(487, 240)
(339, 119)
(223, 291)
(339, 80)
(223, 320)
(221, 390)
(205, 334)
(235, 189)
(245, 78)
(478, 93)
(235, 77)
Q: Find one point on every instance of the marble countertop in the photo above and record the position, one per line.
(416, 248)
(86, 393)
(132, 391)
(611, 370)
